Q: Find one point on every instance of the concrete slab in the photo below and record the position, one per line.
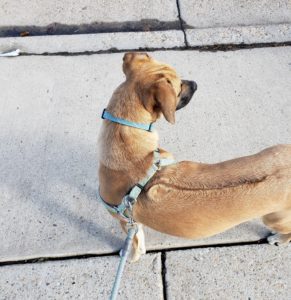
(50, 107)
(43, 13)
(209, 13)
(213, 22)
(82, 279)
(239, 34)
(244, 272)
(94, 42)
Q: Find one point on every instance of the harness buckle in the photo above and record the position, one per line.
(102, 116)
(128, 203)
(151, 127)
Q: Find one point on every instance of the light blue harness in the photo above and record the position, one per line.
(125, 209)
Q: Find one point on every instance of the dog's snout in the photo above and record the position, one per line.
(188, 89)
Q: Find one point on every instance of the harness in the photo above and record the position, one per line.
(125, 209)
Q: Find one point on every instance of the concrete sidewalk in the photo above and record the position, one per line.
(90, 278)
(50, 116)
(57, 241)
(243, 272)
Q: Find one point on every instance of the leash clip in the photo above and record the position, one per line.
(132, 225)
(129, 202)
(158, 165)
(151, 127)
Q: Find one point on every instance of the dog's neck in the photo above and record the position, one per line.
(124, 150)
(125, 104)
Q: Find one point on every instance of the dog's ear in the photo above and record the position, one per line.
(159, 97)
(165, 99)
(132, 61)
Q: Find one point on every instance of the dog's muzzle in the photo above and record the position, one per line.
(189, 88)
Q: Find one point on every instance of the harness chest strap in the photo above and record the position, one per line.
(124, 209)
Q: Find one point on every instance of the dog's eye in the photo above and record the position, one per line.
(169, 82)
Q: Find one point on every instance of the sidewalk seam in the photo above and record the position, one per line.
(165, 250)
(211, 48)
(182, 23)
(164, 273)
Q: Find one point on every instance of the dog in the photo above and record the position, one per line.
(185, 199)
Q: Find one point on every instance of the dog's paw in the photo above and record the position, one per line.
(278, 239)
(138, 247)
(135, 255)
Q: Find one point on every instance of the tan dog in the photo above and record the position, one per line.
(186, 199)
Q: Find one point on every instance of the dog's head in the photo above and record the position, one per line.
(157, 85)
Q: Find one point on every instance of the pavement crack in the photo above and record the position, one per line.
(221, 245)
(54, 258)
(164, 273)
(163, 252)
(209, 48)
(182, 23)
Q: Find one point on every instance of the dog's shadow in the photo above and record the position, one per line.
(49, 184)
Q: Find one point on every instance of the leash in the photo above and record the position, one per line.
(124, 210)
(123, 258)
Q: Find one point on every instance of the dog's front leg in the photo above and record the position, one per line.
(138, 245)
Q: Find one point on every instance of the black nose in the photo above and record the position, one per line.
(193, 86)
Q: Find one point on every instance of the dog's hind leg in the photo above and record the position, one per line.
(138, 245)
(278, 239)
(279, 222)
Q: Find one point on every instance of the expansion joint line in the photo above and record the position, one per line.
(182, 24)
(163, 274)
